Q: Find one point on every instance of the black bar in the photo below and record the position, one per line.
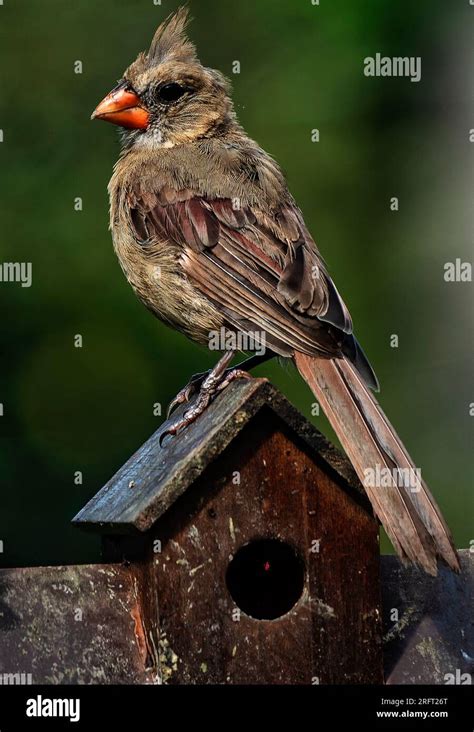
(319, 707)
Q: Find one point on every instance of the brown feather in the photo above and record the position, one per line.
(290, 290)
(410, 517)
(208, 235)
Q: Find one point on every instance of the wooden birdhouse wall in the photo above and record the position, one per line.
(251, 556)
(323, 569)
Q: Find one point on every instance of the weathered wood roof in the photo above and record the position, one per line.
(155, 476)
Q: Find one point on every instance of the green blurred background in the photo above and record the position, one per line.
(87, 409)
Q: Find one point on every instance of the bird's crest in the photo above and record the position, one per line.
(170, 42)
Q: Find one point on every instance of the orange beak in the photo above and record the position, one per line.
(122, 107)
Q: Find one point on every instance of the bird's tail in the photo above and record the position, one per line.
(394, 486)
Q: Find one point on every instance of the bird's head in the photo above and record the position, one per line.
(167, 97)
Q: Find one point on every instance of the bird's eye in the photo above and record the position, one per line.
(171, 92)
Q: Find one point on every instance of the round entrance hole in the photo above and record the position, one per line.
(265, 578)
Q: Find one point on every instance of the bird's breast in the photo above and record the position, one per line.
(153, 268)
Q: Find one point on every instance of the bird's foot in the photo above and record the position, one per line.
(196, 381)
(207, 385)
(187, 392)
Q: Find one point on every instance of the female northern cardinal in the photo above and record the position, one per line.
(209, 237)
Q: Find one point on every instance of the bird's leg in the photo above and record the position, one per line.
(196, 381)
(209, 385)
(207, 390)
(188, 391)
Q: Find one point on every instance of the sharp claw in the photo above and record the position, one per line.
(170, 431)
(188, 417)
(173, 404)
(186, 393)
(205, 396)
(232, 375)
(180, 398)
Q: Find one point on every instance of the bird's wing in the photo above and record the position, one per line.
(264, 273)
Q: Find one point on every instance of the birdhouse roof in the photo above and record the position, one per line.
(155, 476)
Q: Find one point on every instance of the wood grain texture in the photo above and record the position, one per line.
(332, 634)
(73, 625)
(250, 468)
(431, 643)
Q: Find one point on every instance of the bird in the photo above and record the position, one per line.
(210, 238)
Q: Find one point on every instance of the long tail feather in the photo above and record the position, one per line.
(399, 496)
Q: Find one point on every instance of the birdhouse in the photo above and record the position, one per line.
(253, 547)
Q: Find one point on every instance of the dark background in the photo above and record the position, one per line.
(87, 409)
